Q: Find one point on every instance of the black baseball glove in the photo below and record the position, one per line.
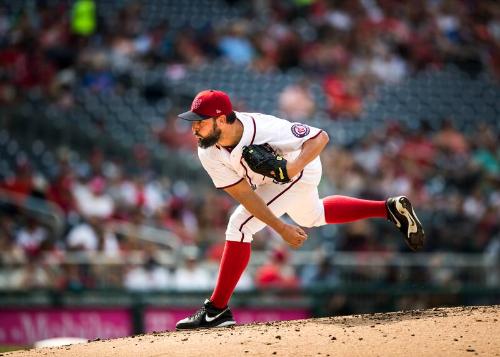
(263, 160)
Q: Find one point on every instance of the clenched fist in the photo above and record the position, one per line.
(293, 235)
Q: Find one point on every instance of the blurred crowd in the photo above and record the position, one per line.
(452, 177)
(349, 46)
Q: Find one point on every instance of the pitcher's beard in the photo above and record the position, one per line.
(210, 140)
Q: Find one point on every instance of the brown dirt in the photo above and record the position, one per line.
(462, 331)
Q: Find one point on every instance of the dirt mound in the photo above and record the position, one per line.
(462, 331)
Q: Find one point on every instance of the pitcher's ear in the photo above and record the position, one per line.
(221, 119)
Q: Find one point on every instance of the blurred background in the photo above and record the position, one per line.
(109, 226)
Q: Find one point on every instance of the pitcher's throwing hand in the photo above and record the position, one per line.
(293, 235)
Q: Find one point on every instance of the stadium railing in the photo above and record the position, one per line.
(49, 214)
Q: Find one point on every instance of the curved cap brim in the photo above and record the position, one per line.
(192, 116)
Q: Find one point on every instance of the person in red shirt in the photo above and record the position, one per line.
(276, 273)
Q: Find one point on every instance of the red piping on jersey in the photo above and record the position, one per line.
(254, 130)
(315, 135)
(251, 142)
(224, 187)
(246, 172)
(268, 203)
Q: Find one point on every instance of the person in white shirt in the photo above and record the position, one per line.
(222, 133)
(148, 277)
(93, 200)
(191, 276)
(93, 236)
(31, 237)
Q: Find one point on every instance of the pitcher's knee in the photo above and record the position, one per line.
(237, 235)
(242, 226)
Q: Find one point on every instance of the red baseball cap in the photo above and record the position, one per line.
(208, 104)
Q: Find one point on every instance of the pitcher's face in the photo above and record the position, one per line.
(207, 132)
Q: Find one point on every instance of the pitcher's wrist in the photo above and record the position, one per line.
(279, 227)
(292, 169)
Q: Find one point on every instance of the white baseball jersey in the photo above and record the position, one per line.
(299, 198)
(227, 168)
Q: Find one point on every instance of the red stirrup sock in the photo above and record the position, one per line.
(343, 209)
(233, 263)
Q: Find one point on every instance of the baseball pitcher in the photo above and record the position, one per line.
(271, 167)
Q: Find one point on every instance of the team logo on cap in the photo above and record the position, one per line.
(300, 130)
(196, 104)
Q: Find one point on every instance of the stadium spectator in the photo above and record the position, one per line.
(180, 219)
(449, 138)
(32, 275)
(92, 199)
(277, 272)
(22, 182)
(174, 134)
(296, 102)
(235, 44)
(191, 275)
(320, 273)
(93, 237)
(60, 191)
(148, 277)
(31, 237)
(70, 278)
(343, 95)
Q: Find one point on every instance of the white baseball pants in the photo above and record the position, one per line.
(299, 200)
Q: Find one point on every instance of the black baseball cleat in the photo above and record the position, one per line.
(401, 213)
(206, 317)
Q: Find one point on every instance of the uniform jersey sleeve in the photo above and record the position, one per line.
(284, 135)
(222, 175)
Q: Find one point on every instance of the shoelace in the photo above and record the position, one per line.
(198, 313)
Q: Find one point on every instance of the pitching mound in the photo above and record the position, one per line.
(463, 331)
